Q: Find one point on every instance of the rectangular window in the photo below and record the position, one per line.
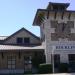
(26, 40)
(72, 62)
(11, 62)
(71, 57)
(19, 40)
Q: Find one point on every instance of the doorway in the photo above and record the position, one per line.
(72, 62)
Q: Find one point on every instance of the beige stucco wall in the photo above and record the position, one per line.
(49, 43)
(12, 40)
(19, 61)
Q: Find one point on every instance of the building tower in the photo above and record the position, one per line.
(57, 26)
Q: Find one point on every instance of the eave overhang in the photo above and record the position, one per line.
(37, 22)
(37, 17)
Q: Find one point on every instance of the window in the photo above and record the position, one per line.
(23, 40)
(19, 40)
(72, 62)
(71, 57)
(11, 62)
(26, 40)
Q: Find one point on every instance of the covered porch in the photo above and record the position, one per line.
(18, 59)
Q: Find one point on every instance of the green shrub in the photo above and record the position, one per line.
(38, 59)
(45, 68)
(63, 67)
(28, 72)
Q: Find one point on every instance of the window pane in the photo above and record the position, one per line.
(19, 40)
(9, 66)
(71, 57)
(13, 66)
(9, 62)
(13, 62)
(26, 40)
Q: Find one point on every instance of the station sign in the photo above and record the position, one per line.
(65, 47)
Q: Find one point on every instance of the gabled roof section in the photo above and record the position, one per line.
(41, 13)
(22, 29)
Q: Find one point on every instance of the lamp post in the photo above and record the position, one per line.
(53, 48)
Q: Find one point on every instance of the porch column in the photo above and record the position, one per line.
(48, 58)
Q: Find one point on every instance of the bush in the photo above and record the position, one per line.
(63, 67)
(29, 72)
(45, 68)
(38, 59)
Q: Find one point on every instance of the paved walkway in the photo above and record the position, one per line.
(57, 74)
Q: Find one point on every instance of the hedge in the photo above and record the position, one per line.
(63, 67)
(45, 68)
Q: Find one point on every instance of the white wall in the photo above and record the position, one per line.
(48, 30)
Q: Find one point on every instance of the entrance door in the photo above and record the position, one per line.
(56, 58)
(27, 63)
(72, 62)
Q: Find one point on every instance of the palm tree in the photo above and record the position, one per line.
(41, 17)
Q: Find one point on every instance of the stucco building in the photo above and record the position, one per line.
(57, 27)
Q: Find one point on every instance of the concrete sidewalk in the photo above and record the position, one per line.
(57, 74)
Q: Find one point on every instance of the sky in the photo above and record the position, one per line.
(15, 14)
